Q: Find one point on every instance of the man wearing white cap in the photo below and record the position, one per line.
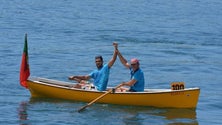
(136, 83)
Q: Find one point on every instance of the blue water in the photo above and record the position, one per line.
(175, 40)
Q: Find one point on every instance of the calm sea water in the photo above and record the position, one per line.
(175, 40)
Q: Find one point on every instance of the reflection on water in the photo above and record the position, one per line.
(180, 116)
(22, 113)
(179, 113)
(145, 115)
(36, 100)
(129, 115)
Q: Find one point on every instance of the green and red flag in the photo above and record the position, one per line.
(24, 71)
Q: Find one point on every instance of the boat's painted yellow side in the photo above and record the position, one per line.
(186, 98)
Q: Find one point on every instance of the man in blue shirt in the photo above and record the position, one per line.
(136, 83)
(100, 75)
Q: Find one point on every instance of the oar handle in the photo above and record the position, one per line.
(93, 101)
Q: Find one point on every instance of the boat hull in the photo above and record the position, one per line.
(186, 98)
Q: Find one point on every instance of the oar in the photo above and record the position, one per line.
(93, 101)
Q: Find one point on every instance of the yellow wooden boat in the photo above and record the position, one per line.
(182, 98)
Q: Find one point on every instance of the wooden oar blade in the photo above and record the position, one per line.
(82, 108)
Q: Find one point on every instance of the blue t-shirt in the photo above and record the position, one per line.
(101, 77)
(139, 77)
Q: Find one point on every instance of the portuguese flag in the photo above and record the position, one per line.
(24, 71)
